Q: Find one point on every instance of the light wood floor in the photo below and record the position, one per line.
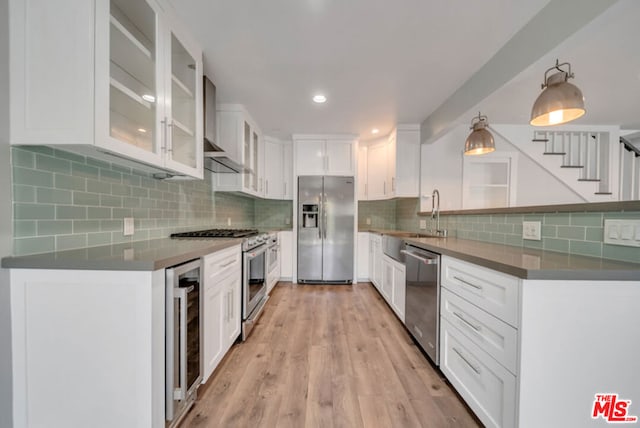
(327, 356)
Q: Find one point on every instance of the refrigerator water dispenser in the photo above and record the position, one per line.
(309, 216)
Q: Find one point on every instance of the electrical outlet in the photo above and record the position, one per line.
(228, 221)
(128, 228)
(423, 224)
(531, 230)
(287, 221)
(622, 232)
(369, 221)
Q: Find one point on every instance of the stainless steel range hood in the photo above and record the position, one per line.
(215, 158)
(218, 161)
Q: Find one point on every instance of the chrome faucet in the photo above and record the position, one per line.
(435, 213)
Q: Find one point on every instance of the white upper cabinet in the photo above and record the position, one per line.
(363, 164)
(393, 165)
(287, 150)
(325, 155)
(110, 76)
(241, 140)
(273, 169)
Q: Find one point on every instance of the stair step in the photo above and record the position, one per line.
(541, 140)
(603, 193)
(589, 179)
(554, 153)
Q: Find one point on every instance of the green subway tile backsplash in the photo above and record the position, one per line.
(574, 233)
(64, 201)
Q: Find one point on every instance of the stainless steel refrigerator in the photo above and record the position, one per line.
(326, 208)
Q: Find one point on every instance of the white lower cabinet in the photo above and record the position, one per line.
(363, 256)
(479, 338)
(486, 386)
(221, 308)
(375, 260)
(393, 287)
(285, 238)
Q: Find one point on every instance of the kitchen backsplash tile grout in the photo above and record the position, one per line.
(65, 201)
(574, 233)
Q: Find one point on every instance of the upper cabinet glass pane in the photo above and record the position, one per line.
(133, 80)
(183, 104)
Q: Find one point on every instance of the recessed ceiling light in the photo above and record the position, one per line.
(375, 130)
(148, 97)
(319, 99)
(142, 130)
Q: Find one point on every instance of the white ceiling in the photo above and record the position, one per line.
(379, 62)
(605, 58)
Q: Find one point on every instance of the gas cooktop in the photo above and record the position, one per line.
(217, 233)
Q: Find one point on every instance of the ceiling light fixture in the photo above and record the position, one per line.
(560, 101)
(149, 98)
(480, 141)
(375, 130)
(319, 99)
(142, 130)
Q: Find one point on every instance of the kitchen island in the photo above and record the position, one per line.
(529, 338)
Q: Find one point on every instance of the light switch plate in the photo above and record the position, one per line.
(622, 232)
(368, 220)
(423, 224)
(128, 228)
(531, 230)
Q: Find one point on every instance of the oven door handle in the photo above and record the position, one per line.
(180, 392)
(256, 252)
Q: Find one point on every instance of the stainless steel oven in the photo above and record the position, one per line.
(254, 281)
(182, 339)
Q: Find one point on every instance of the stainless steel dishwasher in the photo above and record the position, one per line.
(422, 312)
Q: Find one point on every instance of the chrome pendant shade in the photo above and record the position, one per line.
(480, 141)
(560, 101)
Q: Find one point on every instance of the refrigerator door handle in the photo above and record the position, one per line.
(324, 216)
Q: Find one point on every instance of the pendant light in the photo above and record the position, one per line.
(560, 101)
(480, 141)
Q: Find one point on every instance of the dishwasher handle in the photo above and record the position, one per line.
(433, 261)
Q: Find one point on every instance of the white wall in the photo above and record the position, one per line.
(441, 168)
(5, 221)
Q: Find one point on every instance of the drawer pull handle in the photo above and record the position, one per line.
(464, 320)
(473, 367)
(477, 287)
(228, 264)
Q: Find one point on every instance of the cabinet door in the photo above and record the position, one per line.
(391, 165)
(407, 163)
(286, 254)
(214, 307)
(377, 263)
(52, 72)
(339, 157)
(130, 93)
(362, 173)
(363, 256)
(377, 172)
(310, 157)
(232, 322)
(183, 110)
(287, 182)
(257, 177)
(387, 279)
(399, 290)
(273, 170)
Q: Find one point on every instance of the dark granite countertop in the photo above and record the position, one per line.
(135, 256)
(525, 263)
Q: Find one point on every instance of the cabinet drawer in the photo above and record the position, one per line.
(495, 337)
(495, 292)
(487, 387)
(221, 263)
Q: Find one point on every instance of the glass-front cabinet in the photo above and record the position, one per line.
(129, 85)
(154, 96)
